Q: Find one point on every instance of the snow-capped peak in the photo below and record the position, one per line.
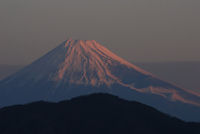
(78, 67)
(87, 62)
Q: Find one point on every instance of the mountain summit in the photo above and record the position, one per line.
(79, 67)
(89, 63)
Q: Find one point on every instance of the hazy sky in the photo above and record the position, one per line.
(138, 30)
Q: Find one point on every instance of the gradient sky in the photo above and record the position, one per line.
(137, 30)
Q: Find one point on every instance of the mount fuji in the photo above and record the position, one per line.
(80, 67)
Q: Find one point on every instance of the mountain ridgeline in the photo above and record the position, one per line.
(81, 67)
(92, 114)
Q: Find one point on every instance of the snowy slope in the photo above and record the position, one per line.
(78, 67)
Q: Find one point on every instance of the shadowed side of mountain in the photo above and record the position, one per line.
(96, 113)
(176, 72)
(80, 67)
(6, 70)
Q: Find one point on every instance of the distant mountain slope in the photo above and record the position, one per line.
(185, 73)
(80, 67)
(176, 72)
(6, 70)
(93, 114)
(179, 72)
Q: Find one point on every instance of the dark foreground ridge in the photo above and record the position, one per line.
(81, 67)
(92, 114)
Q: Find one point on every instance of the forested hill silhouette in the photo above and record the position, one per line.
(81, 67)
(91, 114)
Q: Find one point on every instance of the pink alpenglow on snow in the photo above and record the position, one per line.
(89, 63)
(86, 56)
(80, 67)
